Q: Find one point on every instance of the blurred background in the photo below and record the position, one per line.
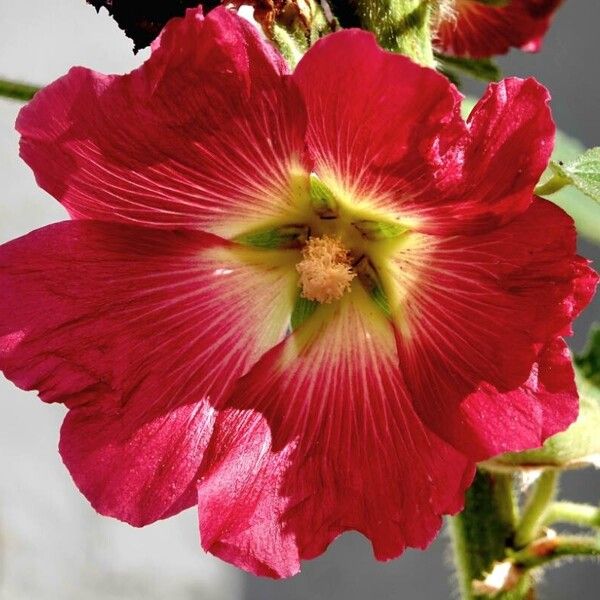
(52, 544)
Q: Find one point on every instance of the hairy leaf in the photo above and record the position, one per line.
(584, 173)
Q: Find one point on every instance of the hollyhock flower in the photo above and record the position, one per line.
(307, 302)
(481, 28)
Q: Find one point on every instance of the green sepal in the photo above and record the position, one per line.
(287, 236)
(322, 198)
(579, 445)
(303, 309)
(478, 68)
(381, 300)
(379, 230)
(368, 276)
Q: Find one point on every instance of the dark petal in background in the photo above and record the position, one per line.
(345, 12)
(142, 20)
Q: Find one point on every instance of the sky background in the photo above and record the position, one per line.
(52, 544)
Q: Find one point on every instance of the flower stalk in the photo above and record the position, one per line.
(582, 515)
(496, 549)
(534, 514)
(556, 183)
(552, 549)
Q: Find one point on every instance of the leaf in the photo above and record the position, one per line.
(573, 200)
(478, 68)
(584, 173)
(579, 445)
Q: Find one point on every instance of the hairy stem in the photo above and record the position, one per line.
(402, 26)
(584, 515)
(483, 531)
(547, 550)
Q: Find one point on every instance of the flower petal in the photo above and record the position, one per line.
(140, 333)
(474, 316)
(386, 135)
(479, 30)
(375, 121)
(206, 134)
(320, 438)
(511, 141)
(546, 404)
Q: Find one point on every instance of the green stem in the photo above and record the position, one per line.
(556, 183)
(462, 559)
(483, 531)
(17, 90)
(402, 26)
(584, 515)
(505, 499)
(547, 550)
(536, 507)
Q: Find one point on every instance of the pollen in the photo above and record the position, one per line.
(325, 270)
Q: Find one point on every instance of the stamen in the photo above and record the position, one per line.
(325, 271)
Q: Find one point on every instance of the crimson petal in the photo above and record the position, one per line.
(477, 319)
(386, 135)
(204, 135)
(478, 30)
(320, 438)
(140, 333)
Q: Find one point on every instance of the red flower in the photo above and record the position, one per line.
(435, 289)
(480, 28)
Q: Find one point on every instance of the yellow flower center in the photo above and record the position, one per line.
(325, 270)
